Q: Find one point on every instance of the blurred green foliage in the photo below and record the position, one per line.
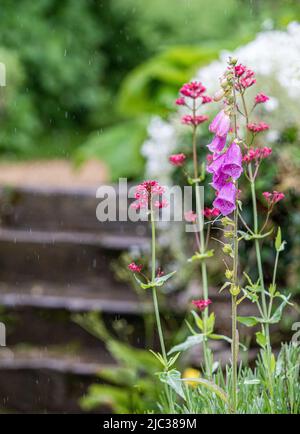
(67, 62)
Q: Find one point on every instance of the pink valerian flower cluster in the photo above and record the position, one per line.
(195, 92)
(273, 198)
(193, 89)
(190, 216)
(257, 127)
(261, 98)
(245, 77)
(210, 213)
(177, 159)
(201, 304)
(145, 192)
(257, 154)
(193, 120)
(135, 268)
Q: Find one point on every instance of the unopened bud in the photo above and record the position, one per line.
(228, 274)
(228, 234)
(235, 290)
(218, 95)
(227, 248)
(233, 61)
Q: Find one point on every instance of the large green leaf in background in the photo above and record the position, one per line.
(118, 147)
(152, 86)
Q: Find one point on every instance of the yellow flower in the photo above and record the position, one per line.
(191, 373)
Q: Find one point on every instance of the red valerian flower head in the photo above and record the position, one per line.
(239, 70)
(201, 304)
(245, 76)
(274, 197)
(210, 213)
(177, 159)
(193, 90)
(135, 268)
(206, 99)
(190, 216)
(261, 98)
(257, 154)
(161, 204)
(180, 101)
(257, 128)
(193, 120)
(144, 193)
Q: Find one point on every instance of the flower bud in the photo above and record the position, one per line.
(218, 95)
(228, 234)
(227, 248)
(233, 61)
(235, 290)
(228, 274)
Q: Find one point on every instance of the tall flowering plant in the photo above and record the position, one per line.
(235, 156)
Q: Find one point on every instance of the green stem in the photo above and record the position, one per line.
(202, 247)
(154, 294)
(156, 308)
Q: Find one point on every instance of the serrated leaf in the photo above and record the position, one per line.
(190, 342)
(173, 379)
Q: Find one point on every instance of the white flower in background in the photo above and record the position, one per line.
(160, 144)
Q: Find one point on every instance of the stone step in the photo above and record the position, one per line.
(61, 256)
(45, 380)
(56, 209)
(81, 298)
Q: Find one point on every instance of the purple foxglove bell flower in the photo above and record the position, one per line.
(216, 164)
(232, 164)
(221, 124)
(219, 180)
(217, 144)
(225, 201)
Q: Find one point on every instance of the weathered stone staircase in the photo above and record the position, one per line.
(55, 259)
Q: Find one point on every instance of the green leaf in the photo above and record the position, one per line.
(276, 317)
(191, 341)
(225, 285)
(246, 236)
(198, 320)
(279, 244)
(158, 281)
(200, 256)
(227, 339)
(210, 323)
(173, 379)
(278, 239)
(248, 321)
(261, 339)
(212, 387)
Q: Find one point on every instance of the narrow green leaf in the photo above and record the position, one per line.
(278, 239)
(210, 386)
(191, 341)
